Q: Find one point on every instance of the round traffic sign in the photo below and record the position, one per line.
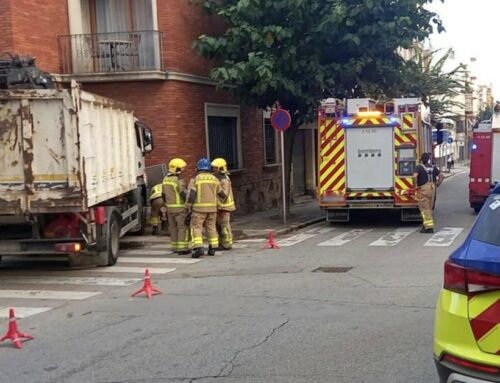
(281, 120)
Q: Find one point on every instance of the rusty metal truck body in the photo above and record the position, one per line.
(71, 174)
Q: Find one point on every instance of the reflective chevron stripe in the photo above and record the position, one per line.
(484, 314)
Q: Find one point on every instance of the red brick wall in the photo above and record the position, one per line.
(5, 27)
(175, 111)
(35, 27)
(181, 22)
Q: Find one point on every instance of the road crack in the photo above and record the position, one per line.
(227, 369)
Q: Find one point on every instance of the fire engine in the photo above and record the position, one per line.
(485, 160)
(368, 154)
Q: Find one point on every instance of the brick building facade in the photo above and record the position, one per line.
(140, 52)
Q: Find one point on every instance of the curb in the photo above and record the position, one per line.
(240, 233)
(144, 241)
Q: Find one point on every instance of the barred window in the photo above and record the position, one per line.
(270, 146)
(223, 134)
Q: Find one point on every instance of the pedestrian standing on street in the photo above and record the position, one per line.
(449, 163)
(174, 189)
(156, 201)
(427, 178)
(225, 207)
(203, 191)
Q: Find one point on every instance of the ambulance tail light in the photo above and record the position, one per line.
(466, 281)
(471, 365)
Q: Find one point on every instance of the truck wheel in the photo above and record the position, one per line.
(113, 240)
(477, 209)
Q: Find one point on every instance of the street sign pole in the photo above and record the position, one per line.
(281, 121)
(283, 184)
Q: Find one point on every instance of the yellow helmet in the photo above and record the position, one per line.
(220, 164)
(176, 165)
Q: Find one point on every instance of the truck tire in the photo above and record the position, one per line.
(113, 240)
(477, 209)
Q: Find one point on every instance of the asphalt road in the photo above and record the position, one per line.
(247, 315)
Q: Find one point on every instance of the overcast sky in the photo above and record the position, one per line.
(471, 29)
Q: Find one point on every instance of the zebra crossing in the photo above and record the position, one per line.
(32, 294)
(444, 237)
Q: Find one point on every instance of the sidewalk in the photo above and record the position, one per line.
(256, 225)
(303, 213)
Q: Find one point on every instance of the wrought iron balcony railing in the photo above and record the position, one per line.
(114, 52)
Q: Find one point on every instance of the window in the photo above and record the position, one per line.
(270, 145)
(486, 229)
(123, 15)
(223, 124)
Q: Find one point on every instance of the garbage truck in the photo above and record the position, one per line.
(72, 174)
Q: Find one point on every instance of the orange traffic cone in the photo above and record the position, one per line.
(148, 288)
(271, 242)
(13, 333)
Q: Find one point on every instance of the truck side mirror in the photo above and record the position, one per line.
(148, 140)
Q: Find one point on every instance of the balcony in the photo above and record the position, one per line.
(112, 56)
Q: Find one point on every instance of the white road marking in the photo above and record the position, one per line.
(47, 294)
(251, 240)
(344, 238)
(90, 281)
(322, 230)
(394, 237)
(23, 312)
(183, 261)
(295, 239)
(444, 237)
(145, 251)
(239, 245)
(132, 270)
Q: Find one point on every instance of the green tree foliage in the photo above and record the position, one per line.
(485, 114)
(297, 52)
(431, 76)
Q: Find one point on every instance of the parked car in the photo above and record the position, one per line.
(467, 327)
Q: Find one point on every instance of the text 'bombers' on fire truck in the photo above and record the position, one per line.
(368, 154)
(485, 160)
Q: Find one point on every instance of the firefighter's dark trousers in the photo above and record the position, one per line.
(179, 233)
(426, 195)
(156, 206)
(224, 226)
(207, 220)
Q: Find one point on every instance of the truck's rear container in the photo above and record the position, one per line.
(63, 151)
(71, 166)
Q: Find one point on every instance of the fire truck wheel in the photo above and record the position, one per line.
(113, 240)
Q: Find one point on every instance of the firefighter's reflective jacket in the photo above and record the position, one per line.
(174, 190)
(228, 203)
(156, 192)
(203, 193)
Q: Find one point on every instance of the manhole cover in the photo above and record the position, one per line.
(332, 269)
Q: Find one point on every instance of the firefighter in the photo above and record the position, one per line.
(427, 178)
(174, 189)
(203, 191)
(224, 207)
(156, 201)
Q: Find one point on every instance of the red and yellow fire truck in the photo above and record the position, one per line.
(368, 154)
(484, 160)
